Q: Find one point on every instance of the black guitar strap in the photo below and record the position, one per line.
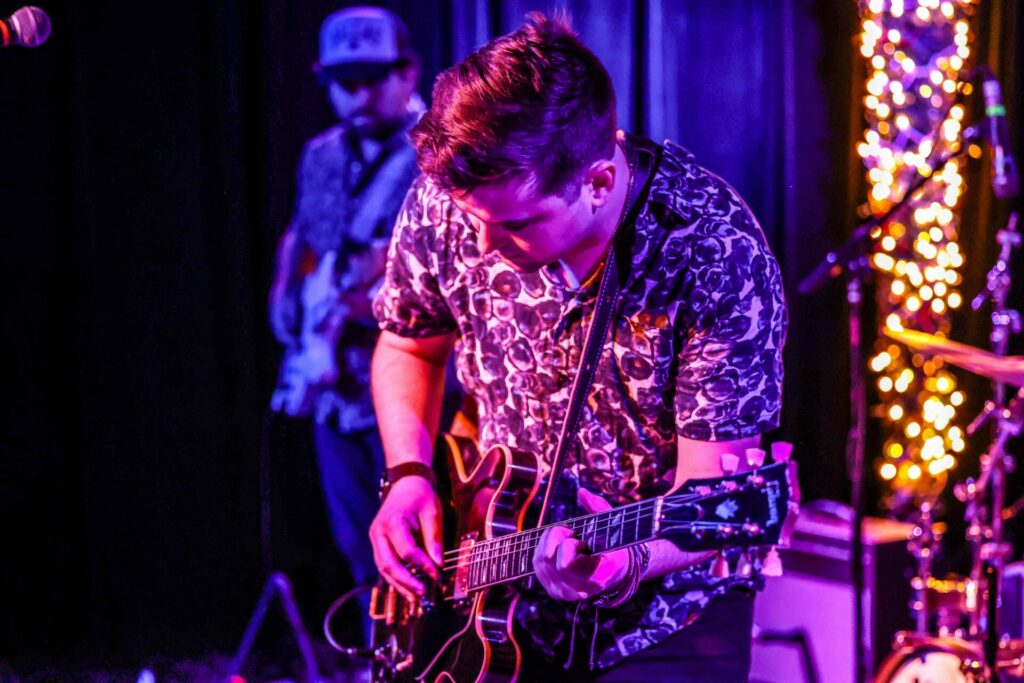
(643, 158)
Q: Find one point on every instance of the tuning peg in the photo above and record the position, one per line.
(744, 566)
(720, 567)
(772, 565)
(782, 451)
(730, 463)
(755, 457)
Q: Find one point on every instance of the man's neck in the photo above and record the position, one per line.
(595, 244)
(372, 143)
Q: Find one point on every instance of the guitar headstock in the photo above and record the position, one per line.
(751, 508)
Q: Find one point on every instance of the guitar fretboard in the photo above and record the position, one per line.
(510, 557)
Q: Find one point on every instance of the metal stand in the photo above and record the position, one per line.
(986, 527)
(855, 464)
(277, 585)
(1005, 321)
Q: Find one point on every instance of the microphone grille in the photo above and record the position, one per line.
(31, 25)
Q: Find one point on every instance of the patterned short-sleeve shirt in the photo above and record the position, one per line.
(348, 205)
(695, 351)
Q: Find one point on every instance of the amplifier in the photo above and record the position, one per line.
(1011, 599)
(804, 620)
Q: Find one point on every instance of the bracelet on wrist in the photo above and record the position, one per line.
(639, 560)
(405, 469)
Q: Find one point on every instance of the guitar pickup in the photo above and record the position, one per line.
(463, 568)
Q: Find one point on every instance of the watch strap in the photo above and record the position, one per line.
(406, 469)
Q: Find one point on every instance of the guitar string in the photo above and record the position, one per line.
(610, 520)
(478, 555)
(500, 547)
(492, 578)
(674, 499)
(592, 519)
(531, 538)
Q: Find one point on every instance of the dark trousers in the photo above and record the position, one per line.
(350, 469)
(713, 649)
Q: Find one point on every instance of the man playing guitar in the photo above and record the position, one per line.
(496, 254)
(330, 260)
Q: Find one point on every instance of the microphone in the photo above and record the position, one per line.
(28, 27)
(1005, 180)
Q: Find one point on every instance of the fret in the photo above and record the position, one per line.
(474, 566)
(506, 552)
(508, 557)
(636, 527)
(526, 553)
(595, 523)
(602, 524)
(496, 559)
(613, 532)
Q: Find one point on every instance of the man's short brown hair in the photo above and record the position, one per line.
(535, 103)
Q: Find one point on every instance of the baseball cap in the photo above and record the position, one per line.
(362, 42)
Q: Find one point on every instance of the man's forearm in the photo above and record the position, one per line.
(408, 387)
(666, 558)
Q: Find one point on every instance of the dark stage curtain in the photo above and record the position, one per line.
(148, 158)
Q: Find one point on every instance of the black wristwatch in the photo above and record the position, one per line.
(405, 469)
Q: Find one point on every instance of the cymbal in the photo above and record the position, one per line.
(1005, 369)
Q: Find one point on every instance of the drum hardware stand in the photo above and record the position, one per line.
(989, 549)
(1005, 321)
(923, 541)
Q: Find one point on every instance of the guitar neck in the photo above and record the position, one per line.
(510, 557)
(745, 510)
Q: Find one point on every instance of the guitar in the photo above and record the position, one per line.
(461, 630)
(327, 300)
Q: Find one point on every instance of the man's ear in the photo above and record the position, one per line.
(600, 181)
(410, 73)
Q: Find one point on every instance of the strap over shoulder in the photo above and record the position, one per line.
(642, 156)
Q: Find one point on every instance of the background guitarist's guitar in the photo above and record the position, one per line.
(462, 630)
(327, 299)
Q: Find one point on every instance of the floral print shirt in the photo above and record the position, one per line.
(695, 351)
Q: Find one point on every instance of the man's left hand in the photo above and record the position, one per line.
(564, 567)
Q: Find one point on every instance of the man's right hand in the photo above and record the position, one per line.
(406, 535)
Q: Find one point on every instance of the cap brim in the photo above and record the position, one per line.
(356, 70)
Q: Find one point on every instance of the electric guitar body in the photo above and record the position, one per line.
(456, 636)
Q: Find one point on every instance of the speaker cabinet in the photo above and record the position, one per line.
(804, 620)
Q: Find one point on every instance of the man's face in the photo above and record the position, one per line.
(528, 231)
(373, 107)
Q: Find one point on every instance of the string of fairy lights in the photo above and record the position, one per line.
(918, 53)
